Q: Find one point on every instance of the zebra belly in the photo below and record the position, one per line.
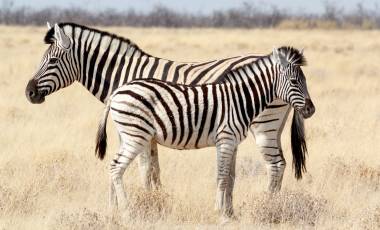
(194, 141)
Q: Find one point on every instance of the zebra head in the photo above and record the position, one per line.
(291, 83)
(56, 68)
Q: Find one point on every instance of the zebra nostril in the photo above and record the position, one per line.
(31, 93)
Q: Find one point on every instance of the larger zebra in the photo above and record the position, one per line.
(102, 62)
(216, 114)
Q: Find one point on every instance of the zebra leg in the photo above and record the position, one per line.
(230, 188)
(112, 193)
(155, 173)
(267, 130)
(145, 166)
(150, 168)
(118, 166)
(226, 158)
(112, 196)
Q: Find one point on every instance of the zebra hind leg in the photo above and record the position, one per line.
(155, 170)
(118, 166)
(226, 159)
(145, 166)
(150, 168)
(112, 192)
(112, 197)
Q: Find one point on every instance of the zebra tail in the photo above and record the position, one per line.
(299, 148)
(101, 136)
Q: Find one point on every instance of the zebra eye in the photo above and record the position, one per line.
(53, 60)
(293, 81)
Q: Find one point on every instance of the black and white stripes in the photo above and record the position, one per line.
(102, 62)
(188, 117)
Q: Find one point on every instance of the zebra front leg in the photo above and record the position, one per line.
(270, 148)
(226, 159)
(267, 129)
(276, 165)
(231, 182)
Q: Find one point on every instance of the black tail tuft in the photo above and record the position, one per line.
(299, 148)
(101, 137)
(101, 142)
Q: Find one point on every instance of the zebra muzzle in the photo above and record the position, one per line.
(32, 94)
(308, 110)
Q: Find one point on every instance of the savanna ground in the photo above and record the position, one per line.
(50, 179)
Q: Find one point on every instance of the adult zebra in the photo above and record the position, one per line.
(102, 62)
(216, 114)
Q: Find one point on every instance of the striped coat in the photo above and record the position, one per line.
(102, 62)
(188, 117)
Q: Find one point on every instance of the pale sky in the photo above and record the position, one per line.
(194, 6)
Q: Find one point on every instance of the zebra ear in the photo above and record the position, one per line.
(281, 59)
(48, 25)
(275, 54)
(62, 39)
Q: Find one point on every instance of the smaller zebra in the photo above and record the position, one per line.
(189, 117)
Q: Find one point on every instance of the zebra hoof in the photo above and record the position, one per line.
(224, 220)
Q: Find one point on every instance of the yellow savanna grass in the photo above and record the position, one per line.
(50, 178)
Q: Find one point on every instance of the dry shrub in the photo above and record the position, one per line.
(355, 172)
(325, 24)
(293, 24)
(5, 198)
(307, 24)
(289, 207)
(46, 176)
(369, 218)
(80, 219)
(368, 24)
(149, 205)
(372, 220)
(18, 201)
(188, 211)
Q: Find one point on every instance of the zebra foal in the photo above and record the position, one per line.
(189, 117)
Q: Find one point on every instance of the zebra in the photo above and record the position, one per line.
(190, 117)
(102, 62)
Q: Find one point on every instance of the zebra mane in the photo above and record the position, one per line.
(49, 37)
(293, 55)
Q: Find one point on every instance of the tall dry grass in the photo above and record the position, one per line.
(50, 179)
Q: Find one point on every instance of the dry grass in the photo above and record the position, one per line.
(50, 178)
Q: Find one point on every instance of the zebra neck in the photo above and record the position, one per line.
(103, 62)
(254, 83)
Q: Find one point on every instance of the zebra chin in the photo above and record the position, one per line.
(37, 99)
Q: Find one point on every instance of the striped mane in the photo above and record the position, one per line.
(293, 55)
(49, 37)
